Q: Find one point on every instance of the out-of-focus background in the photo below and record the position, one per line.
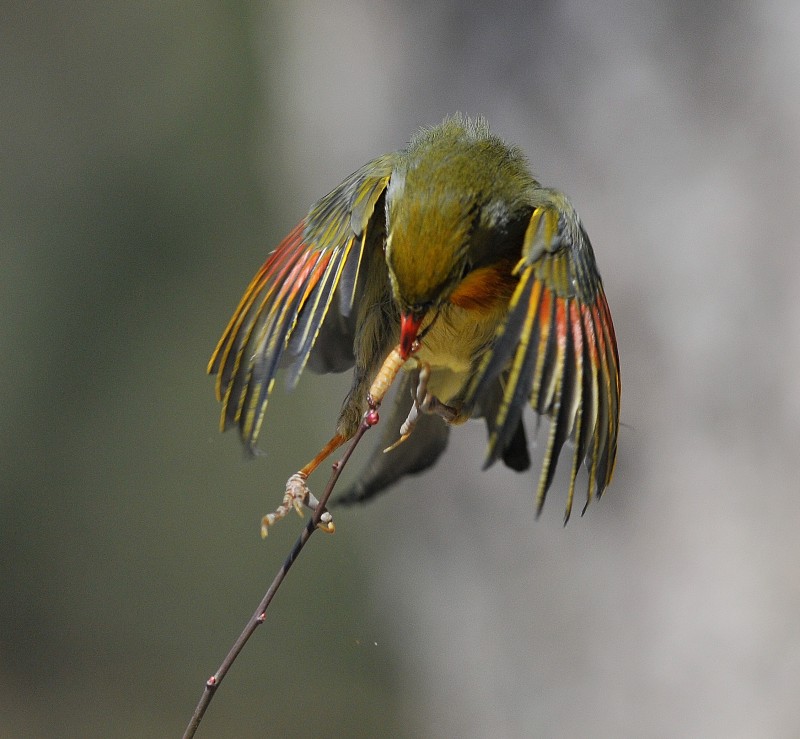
(153, 153)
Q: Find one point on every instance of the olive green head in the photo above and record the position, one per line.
(450, 197)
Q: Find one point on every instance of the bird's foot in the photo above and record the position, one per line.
(297, 497)
(424, 402)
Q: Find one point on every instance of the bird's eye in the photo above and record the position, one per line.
(420, 309)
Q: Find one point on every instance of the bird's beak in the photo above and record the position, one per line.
(409, 327)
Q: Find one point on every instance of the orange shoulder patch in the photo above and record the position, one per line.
(485, 287)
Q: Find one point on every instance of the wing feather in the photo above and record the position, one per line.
(519, 329)
(557, 351)
(282, 312)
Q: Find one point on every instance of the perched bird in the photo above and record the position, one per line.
(451, 249)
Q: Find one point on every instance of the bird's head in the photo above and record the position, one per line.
(452, 204)
(427, 251)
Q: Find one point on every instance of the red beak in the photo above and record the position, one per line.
(409, 327)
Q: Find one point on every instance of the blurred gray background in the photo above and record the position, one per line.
(152, 154)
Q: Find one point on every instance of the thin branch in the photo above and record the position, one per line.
(380, 386)
(258, 618)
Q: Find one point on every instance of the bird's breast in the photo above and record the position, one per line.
(465, 328)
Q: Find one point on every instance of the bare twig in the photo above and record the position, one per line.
(258, 618)
(380, 386)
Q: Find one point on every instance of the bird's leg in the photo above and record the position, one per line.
(298, 495)
(424, 402)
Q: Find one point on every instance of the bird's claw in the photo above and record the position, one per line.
(397, 443)
(326, 523)
(297, 497)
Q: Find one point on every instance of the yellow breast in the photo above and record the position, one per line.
(453, 342)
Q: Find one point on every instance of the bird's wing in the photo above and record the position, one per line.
(557, 350)
(287, 304)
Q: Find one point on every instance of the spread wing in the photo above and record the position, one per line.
(557, 350)
(288, 303)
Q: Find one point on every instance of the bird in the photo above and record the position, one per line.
(452, 251)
